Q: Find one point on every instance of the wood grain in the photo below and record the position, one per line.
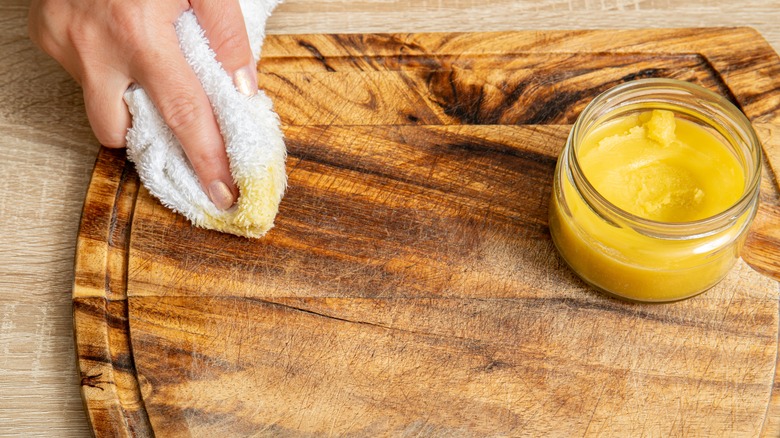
(410, 286)
(46, 158)
(369, 16)
(47, 153)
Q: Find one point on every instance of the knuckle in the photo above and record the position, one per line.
(107, 124)
(181, 112)
(46, 43)
(232, 43)
(206, 158)
(203, 160)
(45, 29)
(129, 22)
(111, 139)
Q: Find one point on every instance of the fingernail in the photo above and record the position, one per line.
(245, 79)
(220, 195)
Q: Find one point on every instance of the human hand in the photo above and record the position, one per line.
(107, 45)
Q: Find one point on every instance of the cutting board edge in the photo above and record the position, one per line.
(82, 292)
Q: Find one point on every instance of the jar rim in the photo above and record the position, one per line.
(681, 89)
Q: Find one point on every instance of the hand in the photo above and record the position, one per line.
(107, 45)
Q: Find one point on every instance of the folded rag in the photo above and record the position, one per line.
(253, 138)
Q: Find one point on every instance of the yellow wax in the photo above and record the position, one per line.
(659, 167)
(662, 169)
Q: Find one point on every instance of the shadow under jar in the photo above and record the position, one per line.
(655, 190)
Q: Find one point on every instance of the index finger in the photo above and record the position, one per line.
(172, 85)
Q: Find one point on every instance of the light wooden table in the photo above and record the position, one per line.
(47, 152)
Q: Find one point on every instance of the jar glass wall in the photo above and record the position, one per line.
(624, 248)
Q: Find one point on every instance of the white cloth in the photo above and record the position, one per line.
(253, 138)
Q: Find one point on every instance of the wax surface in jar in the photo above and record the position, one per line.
(659, 167)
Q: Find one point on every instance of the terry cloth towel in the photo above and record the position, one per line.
(250, 127)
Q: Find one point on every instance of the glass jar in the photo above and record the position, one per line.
(631, 256)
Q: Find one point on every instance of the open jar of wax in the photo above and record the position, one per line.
(655, 190)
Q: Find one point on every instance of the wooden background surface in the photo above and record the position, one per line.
(47, 152)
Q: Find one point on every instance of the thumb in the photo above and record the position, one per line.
(223, 23)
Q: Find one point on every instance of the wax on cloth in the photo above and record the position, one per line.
(250, 127)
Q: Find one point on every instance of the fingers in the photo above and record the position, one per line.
(178, 95)
(223, 23)
(106, 111)
(106, 45)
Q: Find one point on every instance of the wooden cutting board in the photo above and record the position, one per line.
(410, 286)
